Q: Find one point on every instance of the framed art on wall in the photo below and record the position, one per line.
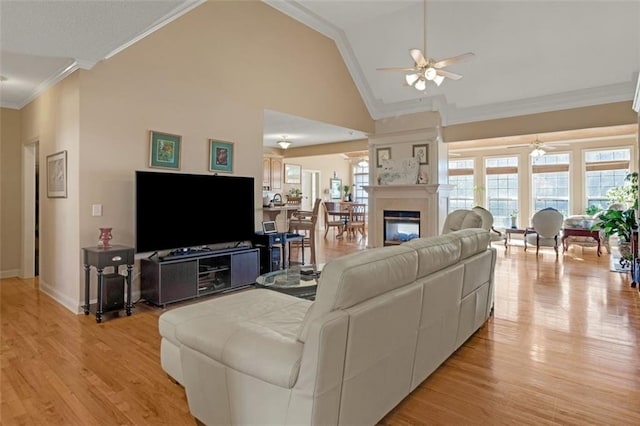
(292, 173)
(164, 151)
(381, 155)
(220, 156)
(335, 188)
(57, 175)
(421, 152)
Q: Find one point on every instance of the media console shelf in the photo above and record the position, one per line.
(175, 279)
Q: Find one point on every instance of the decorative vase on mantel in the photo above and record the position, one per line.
(514, 220)
(105, 237)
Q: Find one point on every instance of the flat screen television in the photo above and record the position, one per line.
(180, 210)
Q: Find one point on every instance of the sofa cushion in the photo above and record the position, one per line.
(360, 276)
(235, 328)
(436, 253)
(472, 241)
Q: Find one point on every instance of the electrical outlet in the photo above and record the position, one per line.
(96, 210)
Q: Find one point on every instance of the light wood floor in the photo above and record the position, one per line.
(562, 348)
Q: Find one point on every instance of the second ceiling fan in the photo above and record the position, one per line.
(425, 68)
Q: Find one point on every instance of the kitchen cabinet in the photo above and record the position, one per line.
(272, 173)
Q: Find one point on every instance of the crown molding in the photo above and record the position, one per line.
(619, 92)
(169, 17)
(87, 65)
(297, 11)
(52, 81)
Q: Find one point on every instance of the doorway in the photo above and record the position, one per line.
(30, 265)
(310, 188)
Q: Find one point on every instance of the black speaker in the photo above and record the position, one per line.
(112, 292)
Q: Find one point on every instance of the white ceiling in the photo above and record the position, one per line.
(531, 56)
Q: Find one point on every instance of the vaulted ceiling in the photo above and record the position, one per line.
(530, 56)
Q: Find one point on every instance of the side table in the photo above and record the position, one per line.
(524, 232)
(101, 258)
(580, 232)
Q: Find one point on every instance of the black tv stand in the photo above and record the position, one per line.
(177, 277)
(185, 252)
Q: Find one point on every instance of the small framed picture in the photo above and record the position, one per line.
(220, 156)
(292, 173)
(335, 188)
(164, 151)
(57, 175)
(421, 152)
(382, 154)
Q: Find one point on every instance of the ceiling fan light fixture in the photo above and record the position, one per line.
(421, 84)
(411, 78)
(438, 80)
(430, 74)
(537, 152)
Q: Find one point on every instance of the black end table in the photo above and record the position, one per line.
(101, 258)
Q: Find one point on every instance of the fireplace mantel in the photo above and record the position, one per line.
(420, 188)
(431, 200)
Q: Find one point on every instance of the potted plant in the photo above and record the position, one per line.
(346, 192)
(294, 196)
(621, 223)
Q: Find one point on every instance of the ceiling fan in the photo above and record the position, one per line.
(425, 68)
(538, 148)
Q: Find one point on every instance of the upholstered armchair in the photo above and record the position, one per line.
(461, 219)
(487, 223)
(547, 224)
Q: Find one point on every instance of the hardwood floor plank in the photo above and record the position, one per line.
(561, 348)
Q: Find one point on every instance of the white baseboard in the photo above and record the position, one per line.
(10, 273)
(62, 299)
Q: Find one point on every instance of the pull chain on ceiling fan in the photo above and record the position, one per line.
(425, 68)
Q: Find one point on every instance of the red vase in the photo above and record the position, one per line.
(105, 237)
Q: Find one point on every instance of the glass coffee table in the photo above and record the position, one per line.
(297, 280)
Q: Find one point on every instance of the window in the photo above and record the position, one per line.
(502, 188)
(360, 179)
(605, 169)
(461, 175)
(550, 182)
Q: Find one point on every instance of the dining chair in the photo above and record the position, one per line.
(304, 223)
(357, 220)
(546, 224)
(331, 222)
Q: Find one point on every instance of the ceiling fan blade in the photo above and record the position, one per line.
(418, 57)
(397, 69)
(451, 75)
(445, 62)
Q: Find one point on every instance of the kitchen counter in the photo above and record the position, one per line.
(270, 213)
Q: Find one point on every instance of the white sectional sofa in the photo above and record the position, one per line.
(383, 320)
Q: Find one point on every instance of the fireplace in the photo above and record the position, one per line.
(430, 201)
(400, 226)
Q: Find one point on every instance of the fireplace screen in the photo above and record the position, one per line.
(400, 226)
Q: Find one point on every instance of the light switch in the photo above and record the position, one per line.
(96, 209)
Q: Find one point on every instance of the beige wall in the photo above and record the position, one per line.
(209, 74)
(615, 114)
(53, 121)
(10, 193)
